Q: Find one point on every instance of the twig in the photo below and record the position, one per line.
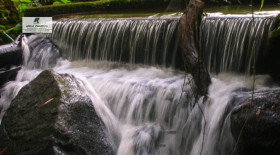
(47, 102)
(253, 83)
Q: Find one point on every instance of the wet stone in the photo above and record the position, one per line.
(48, 117)
(261, 132)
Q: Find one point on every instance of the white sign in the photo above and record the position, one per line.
(36, 24)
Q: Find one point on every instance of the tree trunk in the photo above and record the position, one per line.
(193, 61)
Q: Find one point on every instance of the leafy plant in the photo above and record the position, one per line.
(4, 16)
(61, 2)
(23, 4)
(261, 4)
(5, 31)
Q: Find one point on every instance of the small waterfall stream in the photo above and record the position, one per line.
(146, 107)
(227, 41)
(150, 41)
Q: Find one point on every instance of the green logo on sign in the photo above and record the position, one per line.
(36, 20)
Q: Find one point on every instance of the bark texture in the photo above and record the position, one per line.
(193, 63)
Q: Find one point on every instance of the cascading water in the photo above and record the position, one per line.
(226, 41)
(145, 109)
(149, 41)
(154, 41)
(38, 53)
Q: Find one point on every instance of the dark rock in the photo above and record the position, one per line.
(52, 115)
(5, 141)
(10, 55)
(8, 75)
(261, 134)
(272, 62)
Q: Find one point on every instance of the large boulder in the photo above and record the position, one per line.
(261, 134)
(52, 115)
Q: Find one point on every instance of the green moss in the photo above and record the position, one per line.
(239, 9)
(51, 10)
(93, 6)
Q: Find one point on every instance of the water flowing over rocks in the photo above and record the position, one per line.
(7, 75)
(52, 115)
(261, 133)
(145, 109)
(39, 52)
(231, 50)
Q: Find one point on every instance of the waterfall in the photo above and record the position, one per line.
(39, 52)
(148, 109)
(145, 109)
(226, 41)
(150, 41)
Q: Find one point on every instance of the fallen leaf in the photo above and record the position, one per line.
(48, 101)
(3, 151)
(273, 107)
(258, 112)
(263, 107)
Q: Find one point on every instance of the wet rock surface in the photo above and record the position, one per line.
(261, 133)
(10, 55)
(10, 61)
(8, 75)
(52, 115)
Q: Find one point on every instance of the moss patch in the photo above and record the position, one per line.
(93, 6)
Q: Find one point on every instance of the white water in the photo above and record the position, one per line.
(142, 109)
(150, 41)
(231, 50)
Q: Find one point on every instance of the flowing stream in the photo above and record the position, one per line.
(235, 38)
(147, 105)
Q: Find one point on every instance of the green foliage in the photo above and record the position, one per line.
(4, 16)
(5, 31)
(261, 4)
(2, 27)
(56, 2)
(24, 4)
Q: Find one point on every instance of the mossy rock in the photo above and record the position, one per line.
(52, 10)
(261, 132)
(52, 115)
(93, 6)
